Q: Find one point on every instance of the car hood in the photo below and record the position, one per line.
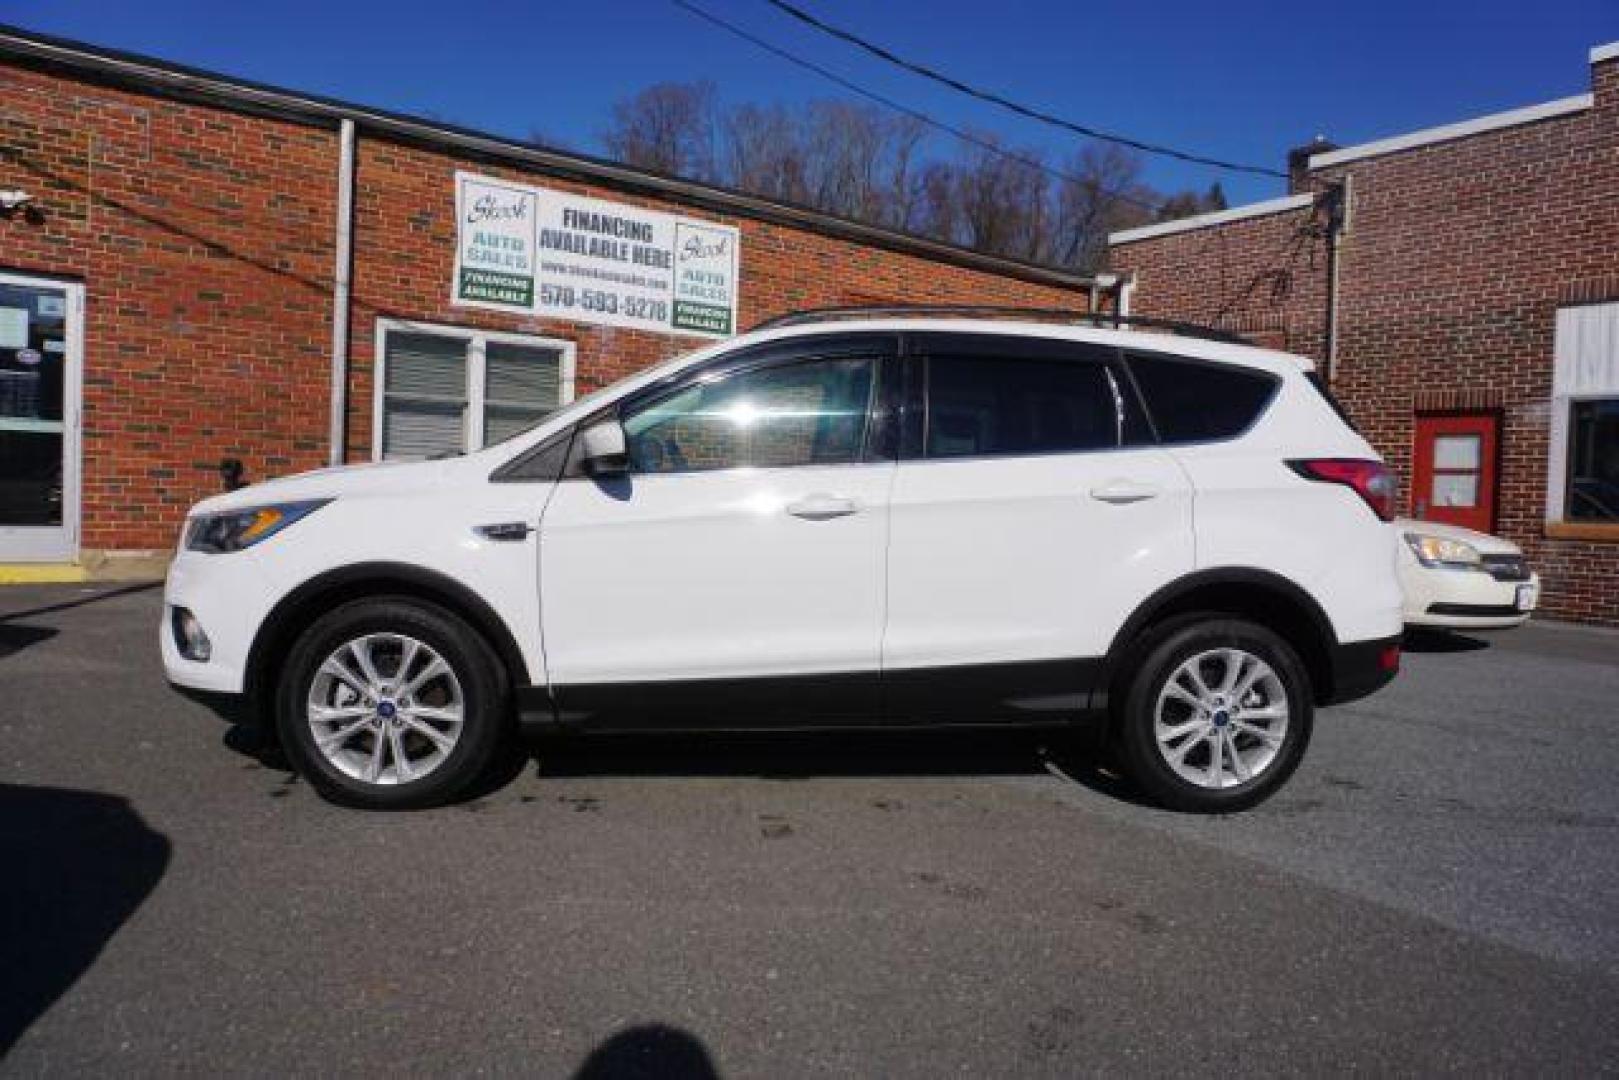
(372, 478)
(1484, 542)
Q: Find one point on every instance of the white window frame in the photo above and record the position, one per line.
(1573, 382)
(58, 543)
(478, 342)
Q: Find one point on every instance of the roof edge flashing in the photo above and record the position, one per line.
(1216, 217)
(1529, 114)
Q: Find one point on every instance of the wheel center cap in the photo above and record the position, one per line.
(1221, 718)
(387, 710)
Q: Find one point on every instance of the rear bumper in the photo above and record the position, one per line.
(1360, 668)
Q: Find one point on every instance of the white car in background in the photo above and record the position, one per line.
(1462, 579)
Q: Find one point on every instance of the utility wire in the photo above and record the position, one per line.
(1006, 103)
(963, 135)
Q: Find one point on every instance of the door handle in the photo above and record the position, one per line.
(821, 507)
(1124, 492)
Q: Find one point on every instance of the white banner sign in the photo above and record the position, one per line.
(545, 252)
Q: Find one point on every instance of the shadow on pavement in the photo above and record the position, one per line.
(1076, 755)
(1428, 639)
(80, 601)
(74, 866)
(14, 639)
(796, 755)
(650, 1051)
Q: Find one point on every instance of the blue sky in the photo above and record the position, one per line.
(1241, 81)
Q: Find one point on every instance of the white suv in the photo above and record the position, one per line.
(841, 519)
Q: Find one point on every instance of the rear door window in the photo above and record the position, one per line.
(998, 405)
(1197, 401)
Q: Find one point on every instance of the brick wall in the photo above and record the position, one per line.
(1456, 260)
(1263, 277)
(204, 238)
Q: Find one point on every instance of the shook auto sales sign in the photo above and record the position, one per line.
(528, 249)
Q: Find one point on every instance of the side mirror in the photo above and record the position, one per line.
(602, 451)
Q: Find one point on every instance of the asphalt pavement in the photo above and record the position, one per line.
(1436, 890)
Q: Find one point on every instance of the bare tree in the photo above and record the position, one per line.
(668, 127)
(844, 146)
(853, 160)
(1104, 195)
(764, 153)
(906, 135)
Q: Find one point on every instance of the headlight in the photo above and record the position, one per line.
(1442, 551)
(233, 530)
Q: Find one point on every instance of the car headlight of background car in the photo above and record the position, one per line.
(1443, 551)
(235, 530)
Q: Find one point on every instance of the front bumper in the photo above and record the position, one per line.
(1468, 599)
(229, 596)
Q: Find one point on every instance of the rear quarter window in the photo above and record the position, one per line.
(1194, 401)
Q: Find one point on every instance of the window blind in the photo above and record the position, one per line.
(425, 395)
(522, 384)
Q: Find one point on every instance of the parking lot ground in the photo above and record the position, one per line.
(1437, 889)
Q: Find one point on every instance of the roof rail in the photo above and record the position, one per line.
(1100, 319)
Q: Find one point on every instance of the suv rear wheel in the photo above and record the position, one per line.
(390, 704)
(1216, 716)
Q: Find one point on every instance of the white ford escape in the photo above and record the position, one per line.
(841, 519)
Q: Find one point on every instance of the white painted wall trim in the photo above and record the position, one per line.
(1610, 51)
(1446, 132)
(1217, 217)
(1585, 367)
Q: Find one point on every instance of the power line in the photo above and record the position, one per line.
(870, 95)
(1006, 103)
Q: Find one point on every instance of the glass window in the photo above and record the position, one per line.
(1455, 489)
(1197, 402)
(424, 403)
(1457, 452)
(522, 385)
(1593, 461)
(807, 413)
(1000, 405)
(447, 392)
(33, 372)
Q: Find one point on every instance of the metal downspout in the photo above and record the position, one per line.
(1337, 224)
(341, 275)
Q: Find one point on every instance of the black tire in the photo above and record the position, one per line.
(481, 682)
(1160, 657)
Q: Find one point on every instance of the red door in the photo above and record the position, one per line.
(1453, 472)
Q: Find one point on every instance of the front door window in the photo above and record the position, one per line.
(35, 409)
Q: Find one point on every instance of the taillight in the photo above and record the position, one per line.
(1371, 480)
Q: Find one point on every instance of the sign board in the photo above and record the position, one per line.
(542, 252)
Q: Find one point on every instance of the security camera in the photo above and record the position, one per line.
(12, 200)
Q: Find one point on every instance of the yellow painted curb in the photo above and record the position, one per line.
(42, 574)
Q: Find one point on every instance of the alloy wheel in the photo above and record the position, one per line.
(385, 709)
(1221, 718)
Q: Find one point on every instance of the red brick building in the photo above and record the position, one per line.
(194, 268)
(1461, 286)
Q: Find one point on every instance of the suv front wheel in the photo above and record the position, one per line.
(390, 704)
(1216, 716)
